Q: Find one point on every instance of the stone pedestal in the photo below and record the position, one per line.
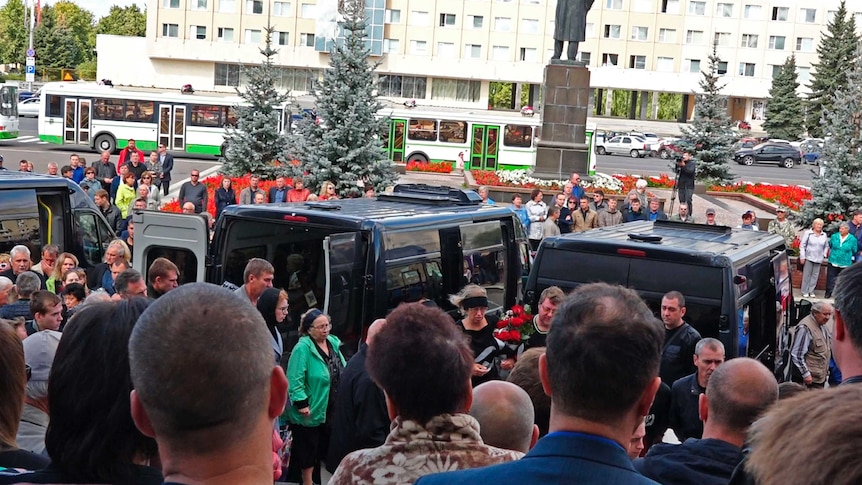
(562, 148)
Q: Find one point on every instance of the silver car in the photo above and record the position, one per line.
(29, 108)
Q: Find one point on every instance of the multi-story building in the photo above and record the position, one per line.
(454, 52)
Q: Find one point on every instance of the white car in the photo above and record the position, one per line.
(634, 146)
(29, 108)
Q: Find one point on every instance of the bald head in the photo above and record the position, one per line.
(505, 415)
(738, 392)
(374, 329)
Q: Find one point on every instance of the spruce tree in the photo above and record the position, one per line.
(784, 113)
(835, 53)
(255, 144)
(838, 191)
(344, 146)
(710, 136)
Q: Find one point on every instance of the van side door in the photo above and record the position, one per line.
(181, 238)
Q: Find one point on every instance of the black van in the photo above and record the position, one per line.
(355, 259)
(722, 273)
(37, 210)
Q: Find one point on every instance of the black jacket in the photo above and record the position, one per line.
(223, 198)
(694, 462)
(684, 416)
(113, 216)
(677, 357)
(686, 174)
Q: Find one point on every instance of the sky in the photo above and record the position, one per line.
(99, 8)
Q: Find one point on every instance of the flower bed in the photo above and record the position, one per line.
(609, 184)
(434, 167)
(214, 182)
(791, 196)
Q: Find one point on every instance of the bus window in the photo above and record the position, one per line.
(230, 117)
(202, 115)
(518, 136)
(453, 131)
(422, 129)
(55, 105)
(140, 111)
(8, 101)
(109, 109)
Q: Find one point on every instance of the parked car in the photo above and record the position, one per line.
(29, 108)
(780, 153)
(634, 146)
(746, 143)
(669, 147)
(22, 95)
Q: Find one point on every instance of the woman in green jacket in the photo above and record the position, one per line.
(842, 247)
(313, 372)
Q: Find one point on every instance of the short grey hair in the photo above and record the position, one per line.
(28, 283)
(51, 250)
(641, 183)
(36, 390)
(19, 249)
(820, 306)
(5, 283)
(97, 296)
(843, 225)
(711, 343)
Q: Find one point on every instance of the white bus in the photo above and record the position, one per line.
(8, 112)
(106, 118)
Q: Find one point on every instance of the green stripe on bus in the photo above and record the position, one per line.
(204, 149)
(8, 135)
(142, 145)
(51, 139)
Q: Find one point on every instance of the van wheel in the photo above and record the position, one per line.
(417, 157)
(664, 154)
(106, 142)
(788, 163)
(749, 160)
(601, 150)
(635, 154)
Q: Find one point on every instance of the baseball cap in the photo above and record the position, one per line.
(710, 211)
(781, 208)
(39, 351)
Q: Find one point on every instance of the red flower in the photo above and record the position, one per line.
(517, 310)
(502, 324)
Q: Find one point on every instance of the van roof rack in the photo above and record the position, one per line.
(431, 194)
(693, 227)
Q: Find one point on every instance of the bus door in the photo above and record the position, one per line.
(486, 144)
(76, 121)
(172, 126)
(396, 140)
(8, 112)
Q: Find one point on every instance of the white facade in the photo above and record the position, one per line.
(445, 53)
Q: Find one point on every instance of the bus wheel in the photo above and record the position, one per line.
(106, 143)
(222, 150)
(417, 157)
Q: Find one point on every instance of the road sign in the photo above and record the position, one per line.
(31, 61)
(31, 53)
(68, 76)
(30, 77)
(31, 70)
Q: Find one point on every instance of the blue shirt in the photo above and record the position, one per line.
(78, 174)
(522, 214)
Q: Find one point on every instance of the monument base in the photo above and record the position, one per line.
(558, 162)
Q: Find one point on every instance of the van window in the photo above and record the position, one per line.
(407, 244)
(19, 221)
(557, 268)
(237, 259)
(413, 282)
(185, 260)
(93, 238)
(485, 260)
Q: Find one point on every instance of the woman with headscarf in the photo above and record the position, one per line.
(479, 327)
(272, 304)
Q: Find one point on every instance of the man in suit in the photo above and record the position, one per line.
(655, 213)
(585, 218)
(279, 192)
(167, 161)
(601, 371)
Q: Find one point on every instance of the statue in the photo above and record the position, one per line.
(570, 26)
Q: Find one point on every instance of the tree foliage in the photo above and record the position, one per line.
(710, 136)
(838, 191)
(345, 147)
(129, 21)
(56, 46)
(255, 144)
(784, 112)
(71, 19)
(834, 52)
(13, 33)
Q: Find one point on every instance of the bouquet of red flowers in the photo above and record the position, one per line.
(515, 326)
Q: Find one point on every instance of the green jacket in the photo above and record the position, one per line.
(841, 255)
(308, 381)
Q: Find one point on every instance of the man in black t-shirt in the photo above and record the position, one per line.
(680, 338)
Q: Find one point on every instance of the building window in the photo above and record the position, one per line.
(693, 65)
(446, 50)
(401, 86)
(746, 69)
(502, 24)
(455, 89)
(614, 4)
(198, 4)
(721, 68)
(610, 59)
(254, 7)
(776, 70)
(419, 47)
(226, 6)
(722, 38)
(667, 35)
(226, 74)
(670, 6)
(780, 13)
(281, 9)
(724, 10)
(528, 54)
(584, 57)
(749, 40)
(308, 11)
(447, 20)
(171, 4)
(475, 21)
(696, 7)
(637, 62)
(612, 31)
(282, 38)
(776, 42)
(170, 30)
(805, 44)
(694, 37)
(253, 36)
(419, 18)
(751, 12)
(500, 53)
(393, 16)
(803, 74)
(664, 64)
(642, 6)
(298, 79)
(808, 15)
(640, 33)
(198, 32)
(391, 46)
(530, 26)
(306, 40)
(830, 15)
(225, 34)
(473, 51)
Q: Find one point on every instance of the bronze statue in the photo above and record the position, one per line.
(570, 25)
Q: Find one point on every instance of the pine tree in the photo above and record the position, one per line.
(255, 144)
(835, 53)
(710, 136)
(838, 191)
(784, 112)
(344, 146)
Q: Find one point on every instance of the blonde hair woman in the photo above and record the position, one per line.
(65, 262)
(479, 327)
(327, 191)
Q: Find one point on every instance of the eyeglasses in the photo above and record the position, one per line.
(29, 371)
(283, 309)
(196, 175)
(325, 326)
